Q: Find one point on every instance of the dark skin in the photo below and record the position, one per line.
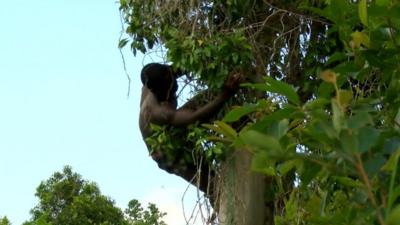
(158, 106)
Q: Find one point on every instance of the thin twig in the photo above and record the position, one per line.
(122, 54)
(360, 168)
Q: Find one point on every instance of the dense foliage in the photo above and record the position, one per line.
(136, 215)
(4, 221)
(67, 199)
(321, 110)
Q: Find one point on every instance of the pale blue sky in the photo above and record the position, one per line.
(63, 102)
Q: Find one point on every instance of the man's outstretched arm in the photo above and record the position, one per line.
(164, 114)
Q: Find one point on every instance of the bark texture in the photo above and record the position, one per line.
(241, 192)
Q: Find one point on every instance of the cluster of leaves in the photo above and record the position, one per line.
(343, 145)
(66, 199)
(136, 215)
(213, 59)
(193, 141)
(326, 119)
(165, 140)
(209, 57)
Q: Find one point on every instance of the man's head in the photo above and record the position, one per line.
(161, 80)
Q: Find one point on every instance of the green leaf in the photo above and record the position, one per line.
(382, 2)
(348, 68)
(359, 120)
(262, 164)
(219, 139)
(278, 115)
(391, 145)
(122, 2)
(227, 130)
(285, 167)
(349, 182)
(349, 141)
(325, 90)
(278, 87)
(394, 216)
(260, 141)
(360, 38)
(326, 128)
(339, 122)
(362, 12)
(397, 120)
(329, 76)
(317, 103)
(283, 89)
(336, 57)
(222, 128)
(395, 194)
(374, 164)
(367, 137)
(313, 205)
(283, 128)
(122, 42)
(238, 112)
(345, 97)
(278, 129)
(217, 151)
(310, 171)
(390, 165)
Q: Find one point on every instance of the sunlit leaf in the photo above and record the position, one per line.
(360, 38)
(394, 216)
(222, 128)
(313, 205)
(219, 139)
(213, 127)
(362, 12)
(226, 129)
(349, 182)
(328, 76)
(345, 97)
(382, 2)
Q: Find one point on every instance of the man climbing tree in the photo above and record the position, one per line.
(158, 106)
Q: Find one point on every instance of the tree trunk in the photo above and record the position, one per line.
(241, 192)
